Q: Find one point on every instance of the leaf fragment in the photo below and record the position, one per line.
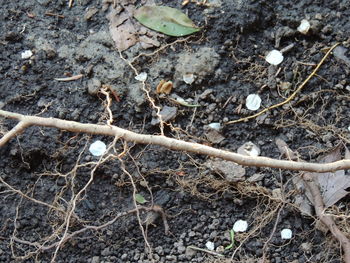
(140, 199)
(167, 20)
(182, 102)
(333, 185)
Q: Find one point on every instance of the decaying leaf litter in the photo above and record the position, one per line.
(212, 115)
(126, 33)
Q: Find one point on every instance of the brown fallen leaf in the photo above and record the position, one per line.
(332, 185)
(123, 29)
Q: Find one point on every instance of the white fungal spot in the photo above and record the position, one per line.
(304, 26)
(141, 77)
(210, 246)
(253, 102)
(188, 78)
(274, 57)
(26, 54)
(97, 148)
(286, 233)
(240, 226)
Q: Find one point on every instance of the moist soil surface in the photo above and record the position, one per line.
(45, 190)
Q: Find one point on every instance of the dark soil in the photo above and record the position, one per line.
(201, 206)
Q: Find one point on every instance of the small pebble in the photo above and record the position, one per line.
(188, 78)
(94, 86)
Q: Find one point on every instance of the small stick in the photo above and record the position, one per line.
(52, 14)
(206, 251)
(70, 78)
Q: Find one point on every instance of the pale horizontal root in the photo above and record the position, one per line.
(170, 143)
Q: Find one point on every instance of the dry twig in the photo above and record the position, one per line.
(70, 78)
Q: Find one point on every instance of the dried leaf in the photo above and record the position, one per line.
(147, 42)
(285, 150)
(231, 171)
(167, 20)
(125, 32)
(122, 30)
(332, 185)
(167, 113)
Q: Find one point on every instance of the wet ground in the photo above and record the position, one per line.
(200, 199)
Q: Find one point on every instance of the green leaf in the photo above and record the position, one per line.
(140, 199)
(167, 20)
